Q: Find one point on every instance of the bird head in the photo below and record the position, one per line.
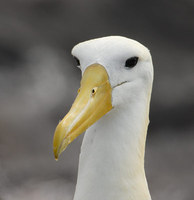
(113, 69)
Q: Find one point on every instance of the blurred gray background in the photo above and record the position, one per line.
(39, 80)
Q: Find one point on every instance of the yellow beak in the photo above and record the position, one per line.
(92, 102)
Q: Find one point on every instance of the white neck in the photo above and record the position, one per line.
(112, 155)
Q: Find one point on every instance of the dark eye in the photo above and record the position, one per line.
(77, 61)
(131, 62)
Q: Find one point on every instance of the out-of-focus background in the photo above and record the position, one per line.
(39, 80)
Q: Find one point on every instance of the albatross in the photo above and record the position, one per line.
(112, 106)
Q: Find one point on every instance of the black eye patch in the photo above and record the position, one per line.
(77, 61)
(131, 62)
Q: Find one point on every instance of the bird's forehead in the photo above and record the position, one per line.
(111, 52)
(110, 47)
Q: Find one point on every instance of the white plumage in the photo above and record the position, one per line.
(111, 165)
